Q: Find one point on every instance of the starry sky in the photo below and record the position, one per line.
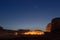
(28, 14)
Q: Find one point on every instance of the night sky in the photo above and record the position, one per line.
(28, 14)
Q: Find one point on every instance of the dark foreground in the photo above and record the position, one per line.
(22, 37)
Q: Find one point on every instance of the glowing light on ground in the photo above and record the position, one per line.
(34, 33)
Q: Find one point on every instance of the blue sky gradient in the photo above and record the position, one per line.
(28, 14)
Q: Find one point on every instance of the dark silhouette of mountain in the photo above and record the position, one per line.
(55, 30)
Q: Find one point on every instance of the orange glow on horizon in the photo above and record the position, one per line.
(34, 33)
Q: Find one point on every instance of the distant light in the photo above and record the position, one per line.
(16, 33)
(33, 33)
